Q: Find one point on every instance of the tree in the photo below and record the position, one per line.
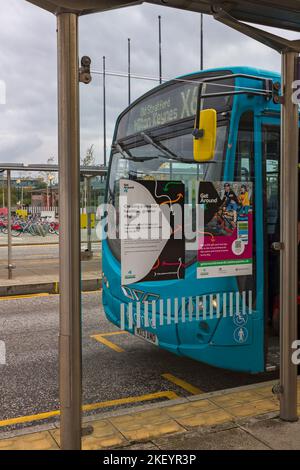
(89, 158)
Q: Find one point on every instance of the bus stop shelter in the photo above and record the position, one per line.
(276, 13)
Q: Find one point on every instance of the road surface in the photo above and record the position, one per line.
(118, 368)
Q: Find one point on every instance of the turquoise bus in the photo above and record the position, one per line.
(225, 321)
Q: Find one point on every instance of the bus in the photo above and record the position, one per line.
(213, 310)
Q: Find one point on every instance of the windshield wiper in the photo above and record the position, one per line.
(168, 153)
(128, 155)
(159, 146)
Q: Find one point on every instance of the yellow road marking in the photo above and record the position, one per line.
(123, 401)
(42, 294)
(114, 333)
(102, 339)
(24, 296)
(92, 291)
(182, 384)
(28, 418)
(93, 406)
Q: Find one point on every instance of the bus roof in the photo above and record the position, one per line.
(237, 70)
(144, 113)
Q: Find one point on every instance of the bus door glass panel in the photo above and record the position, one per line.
(248, 172)
(271, 156)
(244, 173)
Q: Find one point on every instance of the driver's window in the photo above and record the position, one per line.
(245, 149)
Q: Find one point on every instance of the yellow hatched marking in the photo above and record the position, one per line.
(102, 339)
(182, 384)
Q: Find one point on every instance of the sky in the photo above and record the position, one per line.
(28, 119)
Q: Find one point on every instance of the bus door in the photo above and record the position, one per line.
(232, 334)
(271, 167)
(268, 146)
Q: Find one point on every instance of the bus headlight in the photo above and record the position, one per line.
(105, 281)
(215, 303)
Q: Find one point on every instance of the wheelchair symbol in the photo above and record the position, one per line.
(240, 319)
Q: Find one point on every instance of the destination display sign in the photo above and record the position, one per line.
(171, 104)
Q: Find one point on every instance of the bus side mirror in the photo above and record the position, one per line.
(205, 135)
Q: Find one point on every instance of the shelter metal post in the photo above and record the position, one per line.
(69, 198)
(289, 235)
(201, 42)
(129, 71)
(89, 216)
(160, 49)
(104, 112)
(9, 238)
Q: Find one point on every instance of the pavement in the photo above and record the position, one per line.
(49, 239)
(36, 268)
(238, 419)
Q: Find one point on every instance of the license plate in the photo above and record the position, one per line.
(146, 335)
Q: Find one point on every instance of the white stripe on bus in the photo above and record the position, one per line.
(204, 307)
(176, 311)
(244, 302)
(161, 312)
(169, 311)
(250, 301)
(218, 305)
(130, 316)
(237, 301)
(183, 309)
(191, 309)
(138, 315)
(225, 305)
(197, 307)
(231, 304)
(146, 313)
(153, 313)
(122, 315)
(211, 307)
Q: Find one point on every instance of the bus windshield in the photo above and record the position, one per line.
(170, 159)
